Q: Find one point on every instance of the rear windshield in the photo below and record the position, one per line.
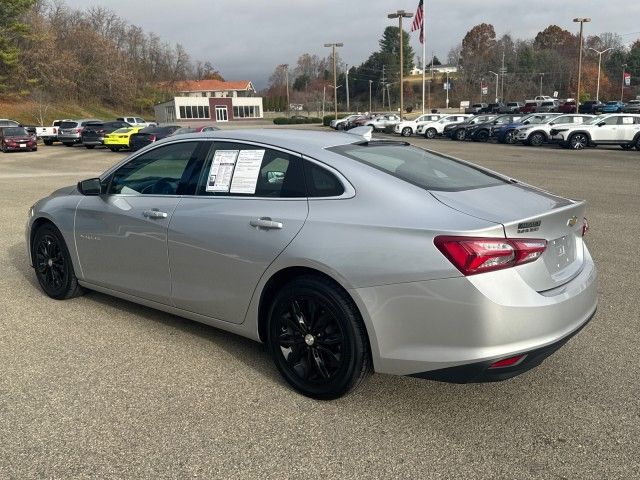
(419, 167)
(14, 131)
(68, 124)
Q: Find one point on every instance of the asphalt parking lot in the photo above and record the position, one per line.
(97, 387)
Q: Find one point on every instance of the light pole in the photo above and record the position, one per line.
(400, 14)
(624, 70)
(497, 82)
(448, 88)
(286, 71)
(335, 79)
(347, 83)
(581, 21)
(370, 82)
(541, 77)
(599, 63)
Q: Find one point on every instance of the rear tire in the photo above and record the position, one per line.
(536, 139)
(90, 147)
(430, 133)
(406, 132)
(460, 134)
(317, 339)
(482, 136)
(68, 144)
(53, 266)
(510, 137)
(48, 143)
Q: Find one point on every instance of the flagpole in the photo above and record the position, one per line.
(424, 55)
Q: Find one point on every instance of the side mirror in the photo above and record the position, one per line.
(601, 124)
(90, 187)
(526, 122)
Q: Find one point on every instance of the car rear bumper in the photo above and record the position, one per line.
(93, 141)
(471, 322)
(69, 138)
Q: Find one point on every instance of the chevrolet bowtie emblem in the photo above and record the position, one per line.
(572, 221)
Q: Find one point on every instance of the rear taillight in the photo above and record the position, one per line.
(585, 226)
(55, 130)
(79, 130)
(152, 138)
(473, 255)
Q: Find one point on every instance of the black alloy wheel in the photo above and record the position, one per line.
(482, 136)
(536, 139)
(52, 263)
(316, 338)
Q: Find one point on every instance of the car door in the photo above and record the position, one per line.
(606, 131)
(627, 128)
(121, 236)
(250, 204)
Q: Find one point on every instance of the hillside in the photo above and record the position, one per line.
(30, 113)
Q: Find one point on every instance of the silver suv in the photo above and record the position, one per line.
(70, 131)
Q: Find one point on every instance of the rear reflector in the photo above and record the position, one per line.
(585, 226)
(508, 362)
(473, 255)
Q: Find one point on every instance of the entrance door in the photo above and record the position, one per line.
(221, 113)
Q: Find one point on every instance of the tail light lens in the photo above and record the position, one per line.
(473, 255)
(152, 138)
(585, 226)
(79, 130)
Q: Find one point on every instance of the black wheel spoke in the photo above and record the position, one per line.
(297, 314)
(331, 339)
(288, 340)
(319, 363)
(328, 354)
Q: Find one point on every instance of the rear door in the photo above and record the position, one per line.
(628, 127)
(250, 204)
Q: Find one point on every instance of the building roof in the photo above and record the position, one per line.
(213, 86)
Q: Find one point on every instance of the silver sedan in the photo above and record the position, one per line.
(345, 255)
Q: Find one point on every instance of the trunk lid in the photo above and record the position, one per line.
(526, 212)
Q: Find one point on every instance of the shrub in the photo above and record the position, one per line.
(296, 121)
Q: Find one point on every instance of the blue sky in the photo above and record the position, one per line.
(246, 39)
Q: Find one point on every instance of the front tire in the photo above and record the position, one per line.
(53, 266)
(90, 147)
(482, 136)
(578, 141)
(317, 339)
(536, 139)
(510, 137)
(460, 134)
(406, 132)
(430, 133)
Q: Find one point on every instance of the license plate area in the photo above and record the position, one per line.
(560, 253)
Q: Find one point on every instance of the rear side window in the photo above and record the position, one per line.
(419, 167)
(68, 124)
(321, 182)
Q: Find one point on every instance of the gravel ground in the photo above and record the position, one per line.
(97, 387)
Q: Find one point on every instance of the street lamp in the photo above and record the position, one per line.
(400, 14)
(285, 66)
(335, 80)
(541, 77)
(624, 70)
(599, 63)
(497, 82)
(581, 21)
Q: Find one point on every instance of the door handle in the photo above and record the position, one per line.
(155, 213)
(266, 223)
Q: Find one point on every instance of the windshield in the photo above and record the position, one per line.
(608, 103)
(123, 130)
(421, 168)
(68, 124)
(14, 131)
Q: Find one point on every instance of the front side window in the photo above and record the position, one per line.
(237, 169)
(419, 167)
(160, 171)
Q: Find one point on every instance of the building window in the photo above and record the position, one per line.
(246, 111)
(183, 112)
(195, 111)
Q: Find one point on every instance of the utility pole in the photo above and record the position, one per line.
(599, 64)
(541, 77)
(624, 71)
(286, 70)
(383, 86)
(503, 71)
(324, 94)
(335, 77)
(370, 82)
(448, 88)
(582, 21)
(497, 82)
(347, 82)
(400, 14)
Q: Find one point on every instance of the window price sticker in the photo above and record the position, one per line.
(221, 172)
(245, 176)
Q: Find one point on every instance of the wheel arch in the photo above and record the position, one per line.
(584, 132)
(37, 223)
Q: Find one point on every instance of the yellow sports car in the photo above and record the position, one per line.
(119, 139)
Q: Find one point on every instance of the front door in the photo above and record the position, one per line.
(221, 113)
(121, 236)
(251, 203)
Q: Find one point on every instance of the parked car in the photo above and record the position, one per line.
(495, 107)
(459, 299)
(613, 129)
(591, 107)
(477, 108)
(406, 128)
(70, 131)
(511, 107)
(632, 106)
(538, 133)
(433, 129)
(149, 135)
(567, 107)
(183, 130)
(529, 107)
(17, 138)
(548, 106)
(49, 135)
(5, 122)
(136, 121)
(482, 132)
(340, 123)
(120, 139)
(93, 134)
(381, 122)
(543, 98)
(613, 107)
(506, 132)
(457, 131)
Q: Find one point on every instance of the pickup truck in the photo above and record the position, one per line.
(136, 122)
(50, 134)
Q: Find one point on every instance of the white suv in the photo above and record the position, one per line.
(432, 129)
(535, 134)
(616, 129)
(406, 128)
(383, 121)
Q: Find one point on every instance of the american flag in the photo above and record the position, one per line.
(418, 21)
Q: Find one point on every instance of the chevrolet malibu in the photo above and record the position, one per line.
(345, 255)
